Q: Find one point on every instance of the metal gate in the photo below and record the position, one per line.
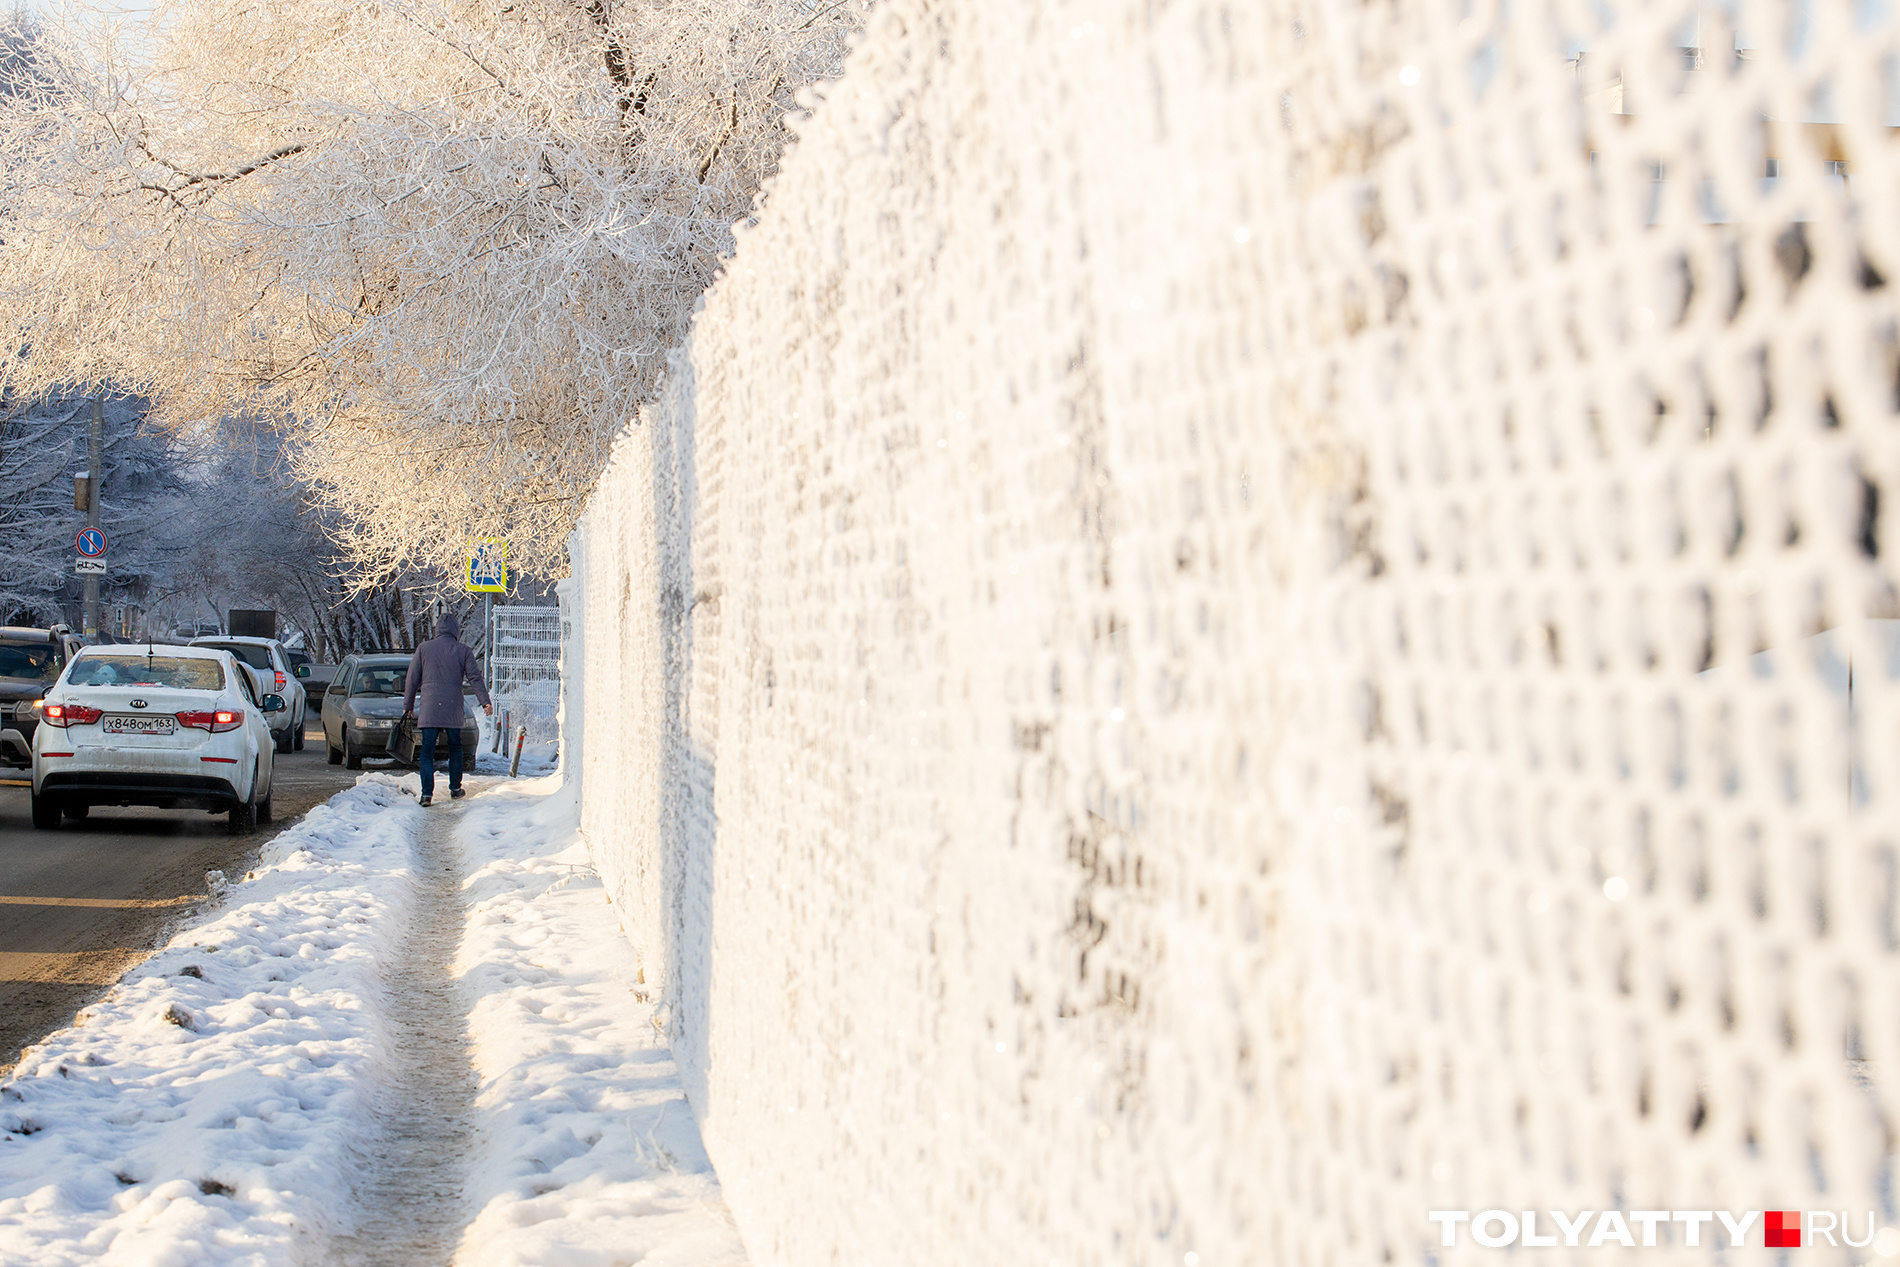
(524, 669)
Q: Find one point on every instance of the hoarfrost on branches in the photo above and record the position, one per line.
(43, 444)
(244, 533)
(448, 244)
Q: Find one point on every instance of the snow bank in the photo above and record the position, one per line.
(211, 1109)
(589, 1152)
(204, 1111)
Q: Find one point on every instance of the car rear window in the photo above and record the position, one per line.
(248, 653)
(190, 674)
(384, 679)
(28, 662)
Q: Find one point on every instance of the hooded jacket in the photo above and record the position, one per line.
(436, 673)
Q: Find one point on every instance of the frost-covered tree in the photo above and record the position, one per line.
(449, 243)
(43, 444)
(244, 532)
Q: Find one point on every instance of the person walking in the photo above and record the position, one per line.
(436, 673)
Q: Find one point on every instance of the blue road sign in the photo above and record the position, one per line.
(91, 543)
(487, 567)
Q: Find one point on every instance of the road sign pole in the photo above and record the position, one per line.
(486, 573)
(96, 477)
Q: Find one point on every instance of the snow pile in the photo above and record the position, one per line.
(204, 1110)
(538, 757)
(217, 1107)
(590, 1153)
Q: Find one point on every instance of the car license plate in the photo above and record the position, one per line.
(140, 725)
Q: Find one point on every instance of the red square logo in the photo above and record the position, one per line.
(1783, 1229)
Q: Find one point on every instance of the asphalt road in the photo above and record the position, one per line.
(80, 905)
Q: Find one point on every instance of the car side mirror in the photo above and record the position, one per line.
(274, 704)
(302, 670)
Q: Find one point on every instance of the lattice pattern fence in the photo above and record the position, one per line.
(1260, 619)
(524, 669)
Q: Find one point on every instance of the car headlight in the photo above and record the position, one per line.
(24, 710)
(374, 723)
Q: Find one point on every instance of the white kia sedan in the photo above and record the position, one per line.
(172, 727)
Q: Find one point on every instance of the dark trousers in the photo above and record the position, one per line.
(428, 757)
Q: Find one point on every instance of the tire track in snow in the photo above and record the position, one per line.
(411, 1200)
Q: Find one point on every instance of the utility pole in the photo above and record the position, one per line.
(95, 478)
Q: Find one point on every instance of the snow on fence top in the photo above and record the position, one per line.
(1201, 596)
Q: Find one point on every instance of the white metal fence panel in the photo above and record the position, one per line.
(524, 669)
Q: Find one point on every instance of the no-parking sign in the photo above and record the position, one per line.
(91, 543)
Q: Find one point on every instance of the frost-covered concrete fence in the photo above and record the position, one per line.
(1177, 675)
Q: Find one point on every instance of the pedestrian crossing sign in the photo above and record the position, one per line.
(487, 566)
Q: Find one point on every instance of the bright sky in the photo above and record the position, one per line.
(111, 7)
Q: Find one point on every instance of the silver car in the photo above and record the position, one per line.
(363, 703)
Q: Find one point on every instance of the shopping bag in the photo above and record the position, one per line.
(403, 742)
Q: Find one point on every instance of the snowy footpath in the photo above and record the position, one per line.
(410, 1036)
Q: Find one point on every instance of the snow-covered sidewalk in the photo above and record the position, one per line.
(590, 1153)
(220, 1104)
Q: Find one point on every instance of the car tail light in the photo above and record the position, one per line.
(217, 723)
(64, 715)
(280, 681)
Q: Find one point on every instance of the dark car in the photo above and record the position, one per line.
(30, 661)
(315, 676)
(363, 703)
